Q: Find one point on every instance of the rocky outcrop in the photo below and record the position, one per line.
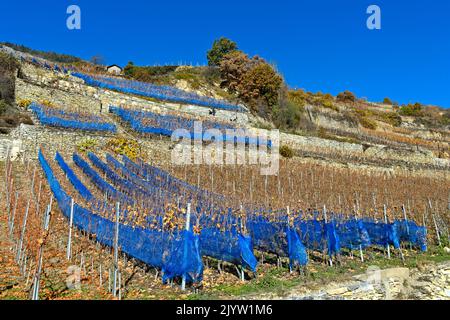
(431, 282)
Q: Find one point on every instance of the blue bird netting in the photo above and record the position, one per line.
(352, 234)
(78, 185)
(165, 93)
(382, 234)
(166, 125)
(410, 232)
(319, 235)
(177, 253)
(277, 238)
(99, 182)
(229, 246)
(70, 120)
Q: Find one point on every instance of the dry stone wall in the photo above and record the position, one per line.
(71, 92)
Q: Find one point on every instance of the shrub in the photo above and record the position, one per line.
(412, 110)
(46, 103)
(24, 103)
(286, 151)
(263, 82)
(287, 116)
(252, 79)
(232, 68)
(388, 101)
(124, 146)
(298, 97)
(220, 48)
(367, 123)
(392, 118)
(346, 97)
(8, 64)
(149, 73)
(87, 145)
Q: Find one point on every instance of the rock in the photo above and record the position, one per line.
(446, 250)
(337, 291)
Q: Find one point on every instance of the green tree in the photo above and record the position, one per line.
(387, 101)
(220, 48)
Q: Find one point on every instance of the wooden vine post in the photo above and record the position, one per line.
(185, 253)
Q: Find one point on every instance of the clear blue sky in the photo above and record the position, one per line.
(318, 45)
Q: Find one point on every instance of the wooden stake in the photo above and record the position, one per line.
(435, 224)
(386, 221)
(116, 250)
(69, 242)
(188, 226)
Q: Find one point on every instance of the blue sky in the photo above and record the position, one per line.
(318, 45)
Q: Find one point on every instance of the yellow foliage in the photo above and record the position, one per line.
(124, 146)
(24, 103)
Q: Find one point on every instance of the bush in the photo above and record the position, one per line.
(46, 103)
(149, 73)
(261, 82)
(346, 97)
(287, 116)
(124, 146)
(392, 118)
(251, 79)
(367, 123)
(220, 48)
(87, 145)
(412, 110)
(24, 103)
(388, 101)
(286, 151)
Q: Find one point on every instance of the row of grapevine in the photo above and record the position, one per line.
(54, 117)
(165, 93)
(151, 123)
(287, 236)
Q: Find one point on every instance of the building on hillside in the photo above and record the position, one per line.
(114, 69)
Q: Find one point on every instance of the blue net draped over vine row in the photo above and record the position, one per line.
(78, 185)
(149, 90)
(70, 120)
(277, 238)
(99, 182)
(382, 234)
(176, 253)
(151, 187)
(319, 235)
(315, 234)
(167, 181)
(352, 234)
(166, 125)
(410, 232)
(227, 246)
(230, 246)
(125, 185)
